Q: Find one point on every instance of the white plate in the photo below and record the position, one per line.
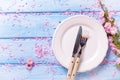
(64, 40)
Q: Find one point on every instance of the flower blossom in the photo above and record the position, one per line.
(102, 14)
(113, 30)
(118, 61)
(29, 61)
(107, 24)
(29, 64)
(110, 16)
(103, 20)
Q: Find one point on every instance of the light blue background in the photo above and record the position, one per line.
(22, 21)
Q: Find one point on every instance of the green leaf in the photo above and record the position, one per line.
(118, 65)
(116, 40)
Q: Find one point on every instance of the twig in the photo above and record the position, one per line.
(102, 5)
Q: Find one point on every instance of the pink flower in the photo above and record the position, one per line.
(29, 66)
(118, 61)
(110, 16)
(110, 39)
(30, 61)
(107, 29)
(113, 30)
(111, 44)
(114, 12)
(114, 48)
(103, 20)
(114, 25)
(107, 24)
(118, 51)
(102, 14)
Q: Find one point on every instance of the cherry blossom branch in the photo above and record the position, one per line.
(111, 29)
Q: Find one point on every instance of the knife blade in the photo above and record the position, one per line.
(76, 46)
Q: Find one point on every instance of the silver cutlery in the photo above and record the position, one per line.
(75, 50)
(83, 41)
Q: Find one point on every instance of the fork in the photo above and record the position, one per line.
(77, 62)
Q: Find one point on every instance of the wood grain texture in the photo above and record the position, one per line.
(26, 31)
(55, 5)
(37, 24)
(18, 51)
(19, 72)
(53, 72)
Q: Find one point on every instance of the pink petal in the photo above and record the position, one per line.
(103, 20)
(29, 61)
(29, 66)
(118, 60)
(110, 16)
(113, 30)
(101, 14)
(107, 24)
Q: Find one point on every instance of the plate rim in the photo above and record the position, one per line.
(53, 39)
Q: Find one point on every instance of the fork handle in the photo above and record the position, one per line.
(70, 68)
(75, 69)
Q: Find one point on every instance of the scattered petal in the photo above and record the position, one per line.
(30, 61)
(29, 66)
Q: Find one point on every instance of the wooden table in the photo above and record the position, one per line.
(26, 31)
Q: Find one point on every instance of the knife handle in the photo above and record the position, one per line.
(70, 68)
(75, 69)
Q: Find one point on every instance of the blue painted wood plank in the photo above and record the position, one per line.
(45, 5)
(37, 25)
(104, 72)
(40, 50)
(55, 5)
(39, 72)
(27, 25)
(18, 51)
(53, 72)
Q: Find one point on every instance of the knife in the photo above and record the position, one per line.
(75, 50)
(83, 42)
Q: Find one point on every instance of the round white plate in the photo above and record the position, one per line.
(64, 40)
